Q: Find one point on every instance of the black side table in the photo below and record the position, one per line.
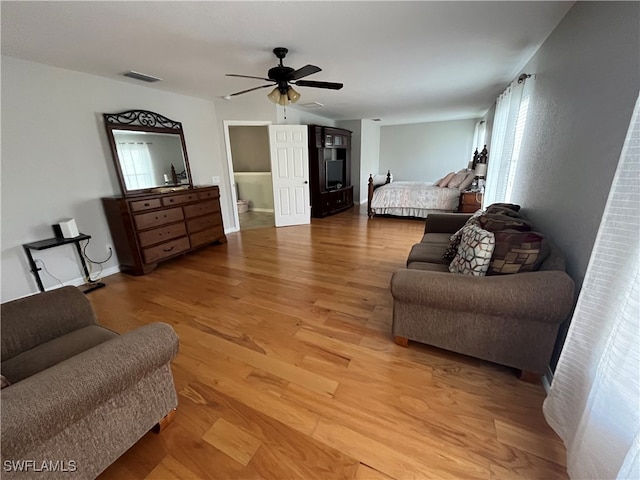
(57, 242)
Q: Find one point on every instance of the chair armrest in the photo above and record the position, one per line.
(31, 321)
(540, 296)
(445, 222)
(38, 407)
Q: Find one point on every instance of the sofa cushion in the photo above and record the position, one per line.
(428, 253)
(439, 238)
(474, 252)
(517, 252)
(54, 351)
(494, 222)
(432, 267)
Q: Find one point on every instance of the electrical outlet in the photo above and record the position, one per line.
(216, 180)
(109, 247)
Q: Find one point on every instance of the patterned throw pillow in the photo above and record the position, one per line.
(454, 240)
(516, 252)
(474, 252)
(494, 222)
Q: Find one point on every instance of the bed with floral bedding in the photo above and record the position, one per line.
(416, 199)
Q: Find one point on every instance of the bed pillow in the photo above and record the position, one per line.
(474, 252)
(516, 252)
(457, 179)
(447, 178)
(466, 183)
(381, 179)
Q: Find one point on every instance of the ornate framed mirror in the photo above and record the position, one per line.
(149, 152)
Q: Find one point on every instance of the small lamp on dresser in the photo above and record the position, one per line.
(481, 173)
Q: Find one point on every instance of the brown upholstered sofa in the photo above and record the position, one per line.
(79, 395)
(512, 319)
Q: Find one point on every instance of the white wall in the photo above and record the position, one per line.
(56, 161)
(369, 155)
(257, 188)
(426, 151)
(588, 76)
(250, 148)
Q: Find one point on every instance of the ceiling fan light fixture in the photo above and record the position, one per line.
(275, 95)
(293, 95)
(284, 100)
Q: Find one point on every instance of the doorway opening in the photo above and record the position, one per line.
(248, 153)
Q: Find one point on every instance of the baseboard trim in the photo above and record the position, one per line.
(75, 282)
(262, 210)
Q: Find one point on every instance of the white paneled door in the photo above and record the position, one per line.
(290, 172)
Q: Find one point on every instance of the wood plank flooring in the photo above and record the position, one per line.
(287, 368)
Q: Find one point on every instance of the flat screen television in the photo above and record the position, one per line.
(335, 174)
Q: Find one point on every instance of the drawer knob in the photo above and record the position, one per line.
(146, 204)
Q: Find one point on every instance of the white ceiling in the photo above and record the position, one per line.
(403, 62)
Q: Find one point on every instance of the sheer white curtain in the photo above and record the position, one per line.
(479, 135)
(594, 401)
(512, 107)
(137, 168)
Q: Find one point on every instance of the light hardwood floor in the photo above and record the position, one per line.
(287, 368)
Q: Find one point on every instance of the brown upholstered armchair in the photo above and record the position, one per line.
(79, 394)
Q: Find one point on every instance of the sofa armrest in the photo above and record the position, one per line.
(445, 222)
(540, 296)
(31, 321)
(38, 407)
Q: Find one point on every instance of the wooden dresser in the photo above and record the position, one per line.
(150, 228)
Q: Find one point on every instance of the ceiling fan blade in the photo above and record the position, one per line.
(304, 72)
(247, 76)
(311, 83)
(251, 90)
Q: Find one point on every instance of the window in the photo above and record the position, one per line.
(137, 168)
(512, 108)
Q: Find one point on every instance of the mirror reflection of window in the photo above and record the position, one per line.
(137, 168)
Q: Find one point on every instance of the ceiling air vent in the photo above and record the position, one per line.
(313, 105)
(142, 77)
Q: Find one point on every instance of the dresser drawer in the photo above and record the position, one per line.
(156, 219)
(162, 234)
(141, 205)
(164, 250)
(202, 223)
(213, 193)
(179, 199)
(206, 236)
(209, 206)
